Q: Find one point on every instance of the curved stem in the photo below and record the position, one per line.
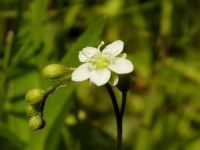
(113, 99)
(120, 121)
(51, 90)
(119, 133)
(124, 96)
(118, 116)
(120, 125)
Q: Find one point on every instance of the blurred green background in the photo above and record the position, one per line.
(162, 39)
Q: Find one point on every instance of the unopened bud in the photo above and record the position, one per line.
(124, 82)
(36, 122)
(32, 110)
(35, 96)
(53, 71)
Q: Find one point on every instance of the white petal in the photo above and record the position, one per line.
(87, 53)
(82, 72)
(114, 48)
(121, 66)
(100, 77)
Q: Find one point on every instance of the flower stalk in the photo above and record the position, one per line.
(36, 99)
(52, 89)
(119, 113)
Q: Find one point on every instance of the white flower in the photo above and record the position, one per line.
(97, 65)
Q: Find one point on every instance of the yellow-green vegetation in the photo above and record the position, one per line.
(161, 39)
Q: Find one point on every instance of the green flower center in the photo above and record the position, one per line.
(101, 62)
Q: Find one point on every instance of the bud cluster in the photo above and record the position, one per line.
(34, 99)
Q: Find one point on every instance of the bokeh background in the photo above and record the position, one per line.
(162, 39)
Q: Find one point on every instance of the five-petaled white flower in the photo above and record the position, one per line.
(98, 64)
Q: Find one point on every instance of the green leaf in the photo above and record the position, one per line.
(11, 137)
(33, 37)
(54, 134)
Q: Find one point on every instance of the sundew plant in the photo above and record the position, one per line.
(99, 75)
(101, 68)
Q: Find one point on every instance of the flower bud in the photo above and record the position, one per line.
(114, 79)
(32, 110)
(35, 96)
(124, 82)
(36, 122)
(53, 71)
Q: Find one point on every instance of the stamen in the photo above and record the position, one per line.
(101, 44)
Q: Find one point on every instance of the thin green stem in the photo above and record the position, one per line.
(120, 121)
(8, 48)
(113, 99)
(118, 116)
(51, 90)
(120, 125)
(119, 132)
(4, 74)
(124, 96)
